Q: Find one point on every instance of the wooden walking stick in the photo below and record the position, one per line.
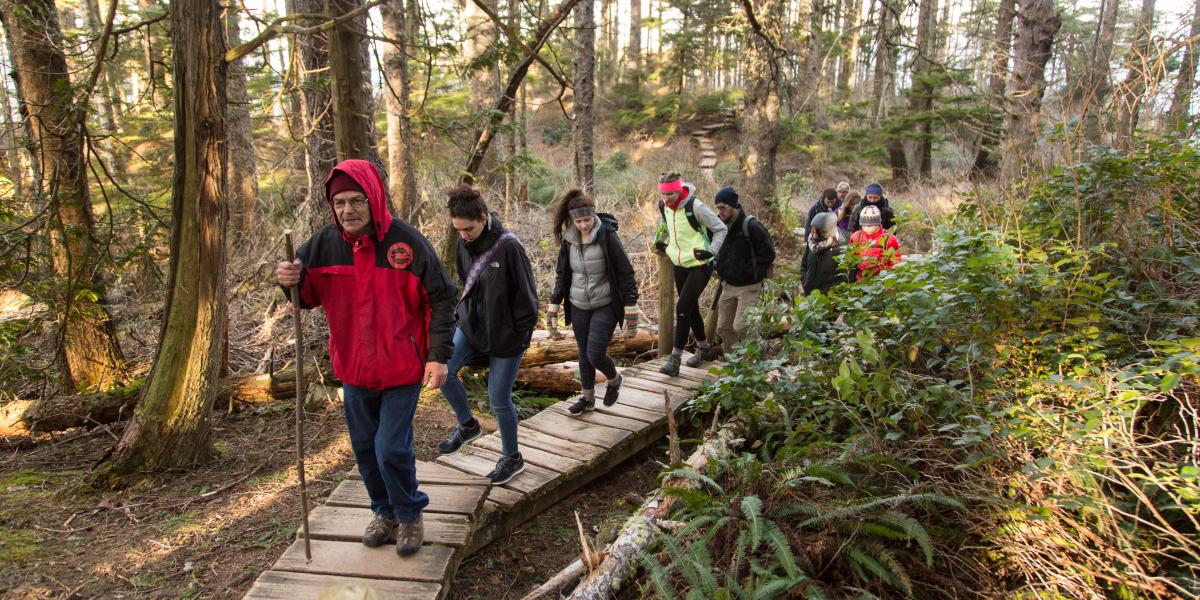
(295, 289)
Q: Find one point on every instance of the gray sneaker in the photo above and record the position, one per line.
(381, 531)
(672, 366)
(408, 541)
(701, 356)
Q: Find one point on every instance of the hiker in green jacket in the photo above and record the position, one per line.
(690, 234)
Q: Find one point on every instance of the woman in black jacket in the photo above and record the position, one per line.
(495, 319)
(596, 279)
(820, 268)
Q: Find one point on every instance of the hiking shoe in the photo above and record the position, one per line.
(506, 468)
(581, 406)
(458, 438)
(410, 536)
(611, 392)
(380, 531)
(702, 355)
(672, 366)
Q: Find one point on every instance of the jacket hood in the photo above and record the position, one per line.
(367, 176)
(883, 201)
(606, 222)
(491, 232)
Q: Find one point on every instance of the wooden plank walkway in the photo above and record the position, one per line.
(562, 454)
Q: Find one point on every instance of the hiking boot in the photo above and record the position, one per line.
(410, 536)
(672, 366)
(581, 406)
(458, 438)
(702, 355)
(380, 531)
(506, 468)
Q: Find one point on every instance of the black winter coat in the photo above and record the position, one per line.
(885, 211)
(734, 264)
(820, 270)
(620, 271)
(499, 314)
(818, 208)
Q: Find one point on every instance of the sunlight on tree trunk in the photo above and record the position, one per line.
(585, 90)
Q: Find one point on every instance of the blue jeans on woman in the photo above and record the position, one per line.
(502, 374)
(381, 435)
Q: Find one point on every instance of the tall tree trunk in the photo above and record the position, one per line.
(88, 356)
(170, 427)
(760, 135)
(633, 50)
(105, 98)
(1185, 82)
(152, 52)
(243, 173)
(814, 58)
(1038, 23)
(923, 88)
(320, 151)
(353, 114)
(585, 90)
(886, 50)
(1141, 69)
(401, 175)
(510, 145)
(1098, 85)
(849, 59)
(986, 162)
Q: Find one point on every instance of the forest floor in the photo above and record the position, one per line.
(209, 532)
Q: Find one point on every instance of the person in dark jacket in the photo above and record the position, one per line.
(742, 264)
(496, 316)
(829, 201)
(874, 198)
(594, 280)
(820, 267)
(390, 307)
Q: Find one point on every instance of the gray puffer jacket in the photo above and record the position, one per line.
(590, 287)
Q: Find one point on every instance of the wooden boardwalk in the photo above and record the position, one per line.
(562, 454)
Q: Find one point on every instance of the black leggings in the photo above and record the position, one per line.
(593, 331)
(689, 282)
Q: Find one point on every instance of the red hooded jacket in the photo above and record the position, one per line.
(388, 299)
(878, 252)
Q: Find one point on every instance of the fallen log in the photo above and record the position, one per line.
(639, 533)
(550, 351)
(561, 378)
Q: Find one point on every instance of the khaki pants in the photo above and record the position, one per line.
(731, 312)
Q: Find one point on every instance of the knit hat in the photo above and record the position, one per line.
(875, 188)
(728, 197)
(870, 216)
(343, 182)
(844, 185)
(826, 224)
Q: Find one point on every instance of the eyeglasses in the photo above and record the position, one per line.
(356, 203)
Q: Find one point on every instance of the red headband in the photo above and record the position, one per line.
(671, 186)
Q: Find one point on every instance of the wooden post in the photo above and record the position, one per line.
(666, 306)
(672, 430)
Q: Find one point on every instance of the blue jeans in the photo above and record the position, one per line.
(381, 435)
(502, 373)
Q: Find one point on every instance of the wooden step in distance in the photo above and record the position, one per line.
(559, 463)
(556, 424)
(599, 418)
(282, 585)
(624, 408)
(346, 524)
(677, 387)
(453, 499)
(428, 472)
(552, 443)
(694, 376)
(650, 401)
(708, 163)
(474, 459)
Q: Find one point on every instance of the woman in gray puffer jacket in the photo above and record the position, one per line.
(596, 280)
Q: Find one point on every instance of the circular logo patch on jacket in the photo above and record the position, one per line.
(400, 255)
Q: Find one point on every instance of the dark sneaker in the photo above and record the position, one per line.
(612, 392)
(410, 536)
(380, 531)
(581, 406)
(672, 366)
(506, 468)
(702, 355)
(458, 438)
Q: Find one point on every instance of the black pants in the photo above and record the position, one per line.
(593, 331)
(689, 282)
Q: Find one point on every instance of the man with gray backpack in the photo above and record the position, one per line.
(743, 263)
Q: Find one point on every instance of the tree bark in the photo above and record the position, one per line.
(558, 378)
(320, 151)
(849, 59)
(633, 50)
(243, 172)
(170, 427)
(760, 134)
(401, 175)
(923, 87)
(1038, 23)
(106, 99)
(1141, 69)
(886, 50)
(987, 163)
(1097, 85)
(585, 69)
(549, 351)
(87, 354)
(1185, 81)
(353, 114)
(156, 71)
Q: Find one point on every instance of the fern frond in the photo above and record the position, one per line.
(913, 528)
(693, 475)
(659, 577)
(697, 500)
(783, 549)
(899, 573)
(858, 555)
(752, 509)
(886, 532)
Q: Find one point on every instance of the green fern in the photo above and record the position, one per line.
(659, 576)
(913, 529)
(693, 475)
(752, 510)
(783, 550)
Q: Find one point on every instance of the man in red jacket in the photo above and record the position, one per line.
(390, 306)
